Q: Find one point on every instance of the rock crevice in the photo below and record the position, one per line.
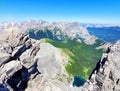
(14, 75)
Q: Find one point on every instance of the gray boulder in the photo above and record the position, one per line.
(4, 58)
(9, 69)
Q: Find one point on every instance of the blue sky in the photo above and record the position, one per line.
(84, 11)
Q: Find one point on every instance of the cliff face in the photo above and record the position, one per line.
(106, 76)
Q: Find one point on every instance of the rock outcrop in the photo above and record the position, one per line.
(31, 65)
(51, 64)
(104, 46)
(106, 75)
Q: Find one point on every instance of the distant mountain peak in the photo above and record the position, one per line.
(72, 29)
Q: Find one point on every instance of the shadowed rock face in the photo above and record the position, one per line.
(21, 50)
(19, 80)
(13, 73)
(7, 71)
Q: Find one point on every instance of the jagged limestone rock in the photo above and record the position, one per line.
(51, 65)
(4, 58)
(107, 73)
(104, 46)
(9, 69)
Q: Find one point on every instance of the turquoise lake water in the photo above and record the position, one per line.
(78, 81)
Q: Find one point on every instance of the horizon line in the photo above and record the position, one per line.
(69, 21)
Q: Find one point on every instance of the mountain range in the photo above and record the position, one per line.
(56, 56)
(70, 29)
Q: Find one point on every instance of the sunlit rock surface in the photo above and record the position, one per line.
(31, 65)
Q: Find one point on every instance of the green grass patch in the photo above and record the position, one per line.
(82, 57)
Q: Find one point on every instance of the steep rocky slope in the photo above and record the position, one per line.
(31, 65)
(106, 75)
(51, 64)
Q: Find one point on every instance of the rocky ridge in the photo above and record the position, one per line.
(73, 30)
(28, 65)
